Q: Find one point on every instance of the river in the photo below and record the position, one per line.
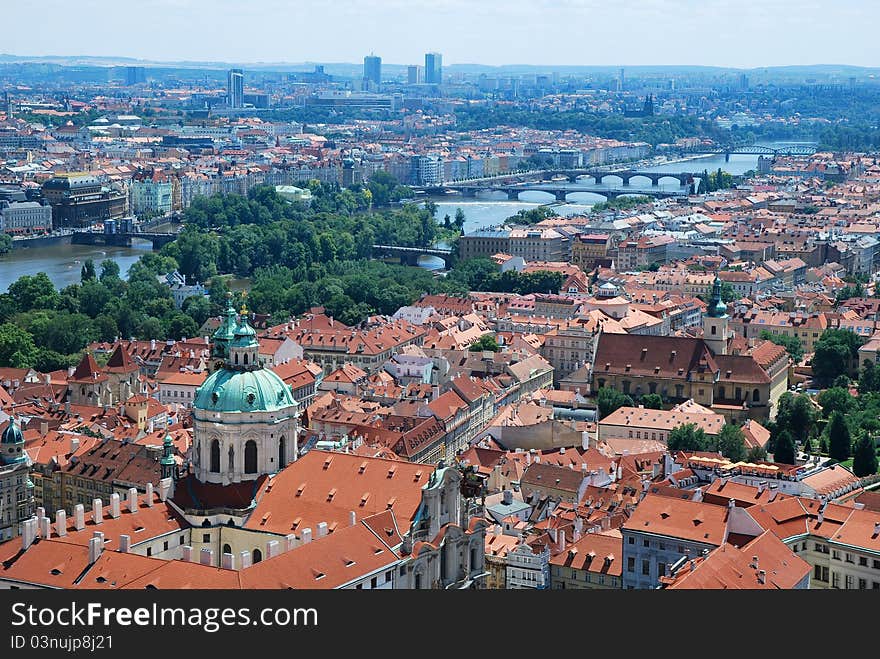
(63, 262)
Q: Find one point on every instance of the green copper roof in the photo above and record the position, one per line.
(245, 335)
(167, 458)
(717, 308)
(259, 390)
(227, 327)
(12, 434)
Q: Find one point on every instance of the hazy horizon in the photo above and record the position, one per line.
(715, 33)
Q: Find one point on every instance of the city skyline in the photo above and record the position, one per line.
(579, 32)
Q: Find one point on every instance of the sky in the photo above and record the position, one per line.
(732, 33)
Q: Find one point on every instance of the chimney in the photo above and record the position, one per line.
(876, 529)
(507, 497)
(97, 511)
(306, 536)
(124, 544)
(61, 523)
(273, 548)
(164, 486)
(114, 505)
(291, 541)
(44, 428)
(228, 561)
(186, 554)
(352, 518)
(74, 445)
(244, 557)
(28, 532)
(96, 546)
(150, 495)
(754, 563)
(79, 517)
(67, 407)
(561, 539)
(762, 576)
(554, 535)
(705, 553)
(152, 344)
(731, 504)
(45, 527)
(322, 529)
(132, 500)
(206, 556)
(41, 513)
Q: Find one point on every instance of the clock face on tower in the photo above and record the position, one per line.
(218, 365)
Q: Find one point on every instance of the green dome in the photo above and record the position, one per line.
(12, 434)
(260, 390)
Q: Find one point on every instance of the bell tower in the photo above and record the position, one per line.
(716, 322)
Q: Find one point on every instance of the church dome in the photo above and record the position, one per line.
(259, 390)
(12, 434)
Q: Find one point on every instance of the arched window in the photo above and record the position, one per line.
(245, 359)
(756, 396)
(281, 452)
(250, 457)
(227, 549)
(215, 456)
(257, 556)
(236, 358)
(231, 463)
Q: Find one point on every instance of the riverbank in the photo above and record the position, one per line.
(42, 241)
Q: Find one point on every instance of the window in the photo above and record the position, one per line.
(835, 555)
(181, 540)
(630, 564)
(863, 561)
(850, 558)
(388, 576)
(215, 457)
(646, 567)
(149, 551)
(646, 543)
(876, 564)
(374, 582)
(835, 580)
(257, 555)
(863, 584)
(631, 540)
(661, 568)
(165, 546)
(206, 537)
(820, 573)
(250, 457)
(849, 581)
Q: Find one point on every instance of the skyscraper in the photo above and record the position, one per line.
(373, 69)
(134, 75)
(433, 68)
(412, 74)
(235, 88)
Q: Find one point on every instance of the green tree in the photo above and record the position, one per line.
(34, 292)
(485, 342)
(865, 457)
(785, 450)
(732, 443)
(833, 353)
(5, 243)
(459, 219)
(756, 454)
(839, 439)
(687, 437)
(836, 399)
(17, 348)
(87, 273)
(869, 379)
(608, 400)
(109, 270)
(197, 307)
(652, 401)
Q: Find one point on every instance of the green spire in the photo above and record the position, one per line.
(226, 332)
(717, 308)
(167, 461)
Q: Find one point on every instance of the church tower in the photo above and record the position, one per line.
(245, 419)
(15, 481)
(716, 322)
